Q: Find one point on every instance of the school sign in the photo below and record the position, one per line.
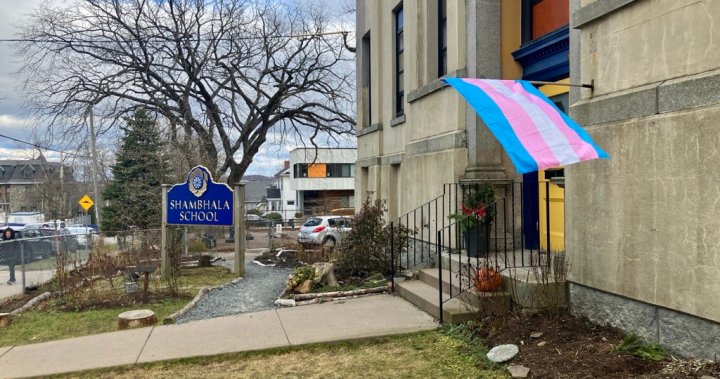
(200, 201)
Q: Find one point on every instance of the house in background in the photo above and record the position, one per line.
(255, 194)
(281, 198)
(36, 185)
(320, 180)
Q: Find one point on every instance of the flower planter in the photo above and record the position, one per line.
(477, 240)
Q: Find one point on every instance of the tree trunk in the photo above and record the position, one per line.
(5, 319)
(134, 319)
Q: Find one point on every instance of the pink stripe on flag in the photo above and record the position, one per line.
(582, 149)
(523, 126)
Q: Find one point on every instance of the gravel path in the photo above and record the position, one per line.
(256, 292)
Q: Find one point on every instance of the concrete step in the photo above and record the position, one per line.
(426, 297)
(431, 276)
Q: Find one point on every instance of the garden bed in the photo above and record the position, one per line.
(571, 347)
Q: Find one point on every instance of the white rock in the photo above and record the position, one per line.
(541, 344)
(502, 353)
(517, 371)
(536, 335)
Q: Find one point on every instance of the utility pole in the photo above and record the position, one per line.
(93, 153)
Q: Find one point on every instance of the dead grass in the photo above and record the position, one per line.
(422, 355)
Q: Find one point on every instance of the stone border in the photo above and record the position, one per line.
(201, 293)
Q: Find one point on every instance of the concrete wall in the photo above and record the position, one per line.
(643, 228)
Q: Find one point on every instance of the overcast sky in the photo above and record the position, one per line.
(14, 121)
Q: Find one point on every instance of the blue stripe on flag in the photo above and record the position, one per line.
(571, 123)
(493, 117)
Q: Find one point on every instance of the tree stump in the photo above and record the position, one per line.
(137, 318)
(5, 319)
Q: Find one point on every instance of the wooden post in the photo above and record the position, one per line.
(165, 267)
(239, 227)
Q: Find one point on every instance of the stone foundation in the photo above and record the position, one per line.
(679, 333)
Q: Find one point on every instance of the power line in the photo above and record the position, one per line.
(44, 147)
(188, 38)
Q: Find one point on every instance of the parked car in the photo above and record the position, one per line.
(81, 234)
(44, 243)
(327, 231)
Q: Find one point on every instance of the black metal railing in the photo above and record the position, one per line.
(512, 238)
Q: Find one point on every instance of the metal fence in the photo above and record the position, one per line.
(512, 239)
(29, 260)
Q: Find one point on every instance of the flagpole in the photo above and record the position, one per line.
(541, 83)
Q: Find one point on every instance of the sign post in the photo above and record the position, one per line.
(200, 201)
(165, 257)
(239, 230)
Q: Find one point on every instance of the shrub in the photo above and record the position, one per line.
(253, 212)
(299, 215)
(366, 249)
(274, 216)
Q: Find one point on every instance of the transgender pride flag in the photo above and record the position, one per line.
(532, 130)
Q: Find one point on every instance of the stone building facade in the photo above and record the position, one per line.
(642, 230)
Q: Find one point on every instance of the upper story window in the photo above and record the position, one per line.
(540, 17)
(366, 77)
(399, 62)
(442, 37)
(300, 170)
(340, 170)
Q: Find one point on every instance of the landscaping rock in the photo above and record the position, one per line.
(137, 318)
(541, 344)
(536, 335)
(517, 371)
(502, 353)
(325, 274)
(305, 287)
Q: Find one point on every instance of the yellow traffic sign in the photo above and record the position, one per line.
(86, 202)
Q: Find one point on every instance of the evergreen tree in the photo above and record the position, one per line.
(135, 193)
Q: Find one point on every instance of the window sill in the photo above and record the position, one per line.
(434, 86)
(397, 120)
(369, 129)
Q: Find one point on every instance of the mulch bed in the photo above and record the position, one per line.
(575, 348)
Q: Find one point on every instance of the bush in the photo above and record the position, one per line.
(366, 249)
(274, 216)
(253, 212)
(299, 215)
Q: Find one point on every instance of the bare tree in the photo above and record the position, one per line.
(224, 73)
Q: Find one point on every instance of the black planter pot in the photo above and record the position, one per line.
(477, 240)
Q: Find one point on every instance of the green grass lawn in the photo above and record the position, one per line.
(49, 322)
(421, 355)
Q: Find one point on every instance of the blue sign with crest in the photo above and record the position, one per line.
(200, 201)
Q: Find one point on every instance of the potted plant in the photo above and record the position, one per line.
(478, 209)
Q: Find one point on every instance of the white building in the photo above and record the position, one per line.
(317, 181)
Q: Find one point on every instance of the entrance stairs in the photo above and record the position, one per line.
(460, 300)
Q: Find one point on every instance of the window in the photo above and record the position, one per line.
(540, 17)
(367, 76)
(291, 202)
(340, 170)
(442, 37)
(399, 63)
(300, 170)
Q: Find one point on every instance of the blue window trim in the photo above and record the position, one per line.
(546, 58)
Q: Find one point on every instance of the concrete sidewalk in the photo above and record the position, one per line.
(358, 318)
